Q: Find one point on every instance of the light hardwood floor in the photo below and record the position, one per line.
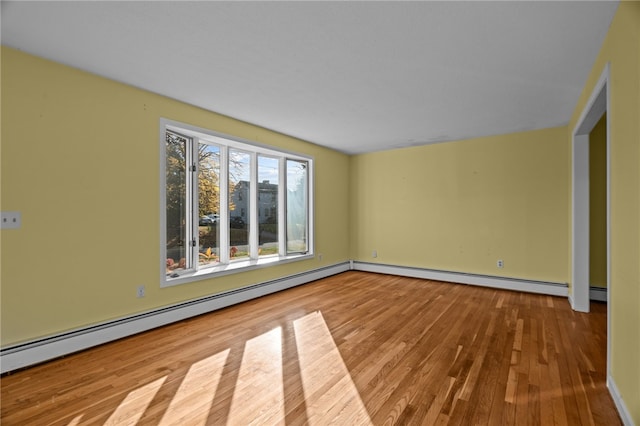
(353, 349)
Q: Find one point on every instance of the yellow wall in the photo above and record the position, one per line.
(80, 154)
(80, 161)
(461, 206)
(621, 49)
(598, 204)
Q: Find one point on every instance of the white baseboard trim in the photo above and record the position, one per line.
(625, 416)
(529, 286)
(44, 349)
(598, 293)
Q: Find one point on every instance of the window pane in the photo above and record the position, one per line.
(239, 203)
(208, 204)
(267, 205)
(297, 206)
(176, 209)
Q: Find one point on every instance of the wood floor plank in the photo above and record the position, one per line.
(356, 348)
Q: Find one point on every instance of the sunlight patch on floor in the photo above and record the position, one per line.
(75, 421)
(260, 401)
(134, 405)
(330, 394)
(192, 401)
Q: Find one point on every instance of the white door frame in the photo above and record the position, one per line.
(597, 105)
(599, 102)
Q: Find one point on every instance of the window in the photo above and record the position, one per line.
(228, 205)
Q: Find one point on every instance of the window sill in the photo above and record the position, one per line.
(233, 267)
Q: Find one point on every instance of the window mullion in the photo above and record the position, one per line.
(192, 203)
(223, 219)
(253, 206)
(282, 207)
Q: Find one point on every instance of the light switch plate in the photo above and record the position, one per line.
(10, 220)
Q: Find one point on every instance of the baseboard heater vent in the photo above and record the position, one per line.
(47, 348)
(598, 293)
(516, 284)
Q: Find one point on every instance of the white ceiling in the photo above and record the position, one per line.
(353, 76)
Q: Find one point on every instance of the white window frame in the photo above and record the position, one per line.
(228, 265)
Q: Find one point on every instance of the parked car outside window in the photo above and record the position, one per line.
(205, 221)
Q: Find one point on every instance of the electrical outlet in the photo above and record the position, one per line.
(140, 291)
(374, 253)
(10, 220)
(500, 264)
(320, 257)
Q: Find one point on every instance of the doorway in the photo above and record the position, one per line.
(595, 108)
(597, 105)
